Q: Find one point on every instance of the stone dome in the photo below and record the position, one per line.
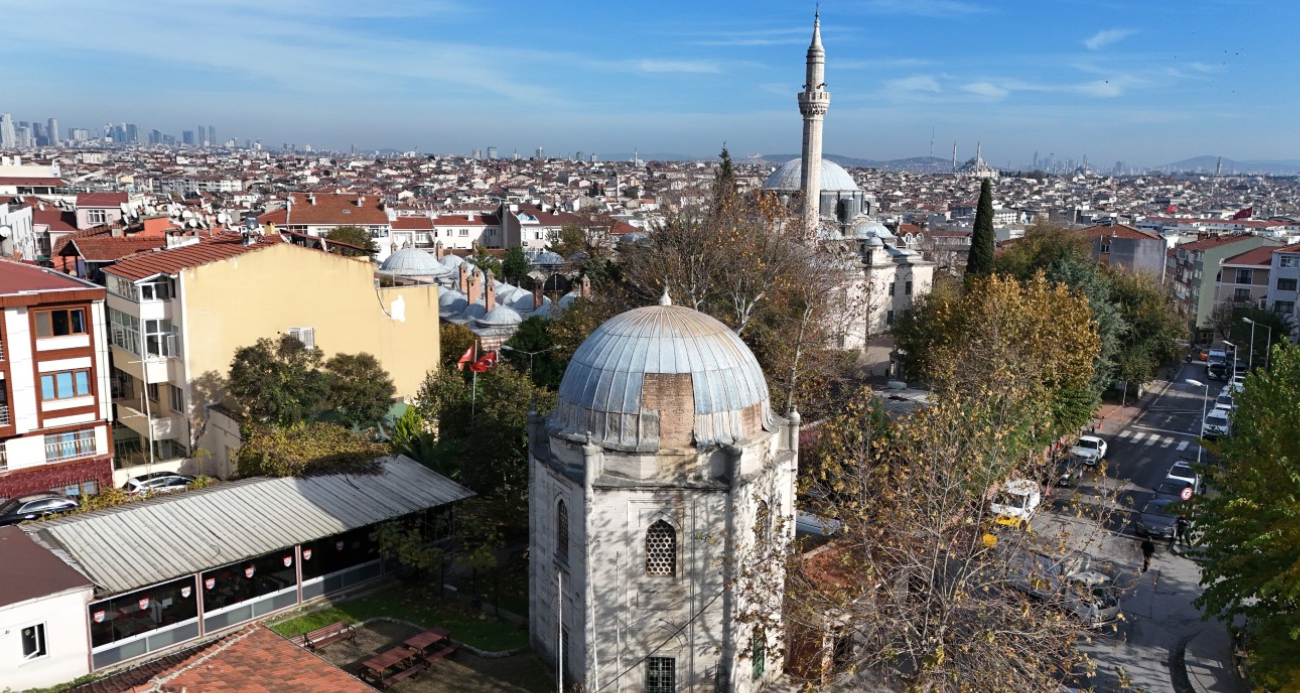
(662, 376)
(413, 262)
(501, 315)
(867, 228)
(452, 261)
(789, 178)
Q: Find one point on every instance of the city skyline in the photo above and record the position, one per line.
(1148, 85)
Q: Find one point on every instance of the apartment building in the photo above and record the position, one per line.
(177, 316)
(1193, 270)
(316, 214)
(1283, 294)
(54, 410)
(1243, 279)
(1117, 245)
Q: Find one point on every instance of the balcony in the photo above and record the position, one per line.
(72, 448)
(159, 426)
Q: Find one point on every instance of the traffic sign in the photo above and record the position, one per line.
(1187, 493)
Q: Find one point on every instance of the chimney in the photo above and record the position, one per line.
(311, 198)
(361, 200)
(40, 206)
(537, 297)
(437, 251)
(470, 216)
(584, 288)
(475, 286)
(489, 291)
(463, 280)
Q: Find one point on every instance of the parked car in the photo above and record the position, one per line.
(1156, 519)
(1069, 582)
(1225, 401)
(1090, 450)
(816, 525)
(1172, 489)
(1016, 502)
(1069, 471)
(158, 482)
(1216, 424)
(1216, 356)
(1216, 371)
(35, 506)
(1182, 470)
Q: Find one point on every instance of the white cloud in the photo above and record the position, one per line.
(924, 8)
(1107, 37)
(986, 89)
(913, 83)
(676, 66)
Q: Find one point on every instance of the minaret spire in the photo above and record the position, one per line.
(814, 101)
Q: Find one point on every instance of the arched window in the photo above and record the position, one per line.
(661, 550)
(762, 523)
(562, 533)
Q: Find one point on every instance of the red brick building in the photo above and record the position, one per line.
(55, 400)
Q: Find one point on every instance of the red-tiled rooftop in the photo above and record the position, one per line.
(34, 181)
(257, 660)
(112, 199)
(1216, 241)
(19, 277)
(222, 247)
(1261, 256)
(330, 209)
(1119, 231)
(110, 248)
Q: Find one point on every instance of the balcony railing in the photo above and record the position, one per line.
(4, 414)
(70, 449)
(4, 458)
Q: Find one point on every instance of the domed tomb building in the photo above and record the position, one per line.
(840, 198)
(656, 489)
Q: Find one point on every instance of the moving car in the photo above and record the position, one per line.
(1090, 450)
(157, 482)
(1016, 502)
(35, 506)
(1216, 371)
(1216, 356)
(1156, 519)
(1182, 470)
(1172, 489)
(1216, 424)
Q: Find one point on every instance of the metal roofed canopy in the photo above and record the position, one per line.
(139, 544)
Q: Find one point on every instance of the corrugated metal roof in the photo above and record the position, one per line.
(140, 544)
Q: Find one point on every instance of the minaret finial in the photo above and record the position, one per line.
(665, 300)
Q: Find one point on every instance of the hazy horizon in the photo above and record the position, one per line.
(1146, 83)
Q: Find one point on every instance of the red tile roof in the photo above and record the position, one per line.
(420, 223)
(1261, 257)
(331, 209)
(256, 660)
(109, 248)
(52, 216)
(1215, 241)
(464, 220)
(112, 199)
(32, 181)
(1119, 231)
(221, 247)
(20, 277)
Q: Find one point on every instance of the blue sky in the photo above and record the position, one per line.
(1144, 81)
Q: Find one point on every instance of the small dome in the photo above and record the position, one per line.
(451, 302)
(452, 261)
(547, 257)
(789, 178)
(662, 376)
(870, 228)
(412, 262)
(501, 315)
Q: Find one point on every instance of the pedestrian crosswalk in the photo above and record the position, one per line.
(1150, 439)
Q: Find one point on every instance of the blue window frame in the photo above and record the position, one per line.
(65, 385)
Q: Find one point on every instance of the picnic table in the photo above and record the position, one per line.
(413, 656)
(422, 642)
(377, 665)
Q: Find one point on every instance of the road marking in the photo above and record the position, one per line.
(1183, 445)
(1165, 430)
(1153, 440)
(1138, 436)
(1125, 433)
(1166, 442)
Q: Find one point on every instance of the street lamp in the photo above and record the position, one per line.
(1204, 401)
(1268, 343)
(531, 354)
(1234, 358)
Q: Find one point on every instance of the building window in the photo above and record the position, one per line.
(65, 385)
(159, 338)
(97, 216)
(176, 398)
(421, 238)
(1105, 246)
(1243, 276)
(1284, 307)
(889, 317)
(1286, 285)
(464, 232)
(69, 446)
(907, 287)
(892, 288)
(306, 335)
(1241, 295)
(124, 331)
(156, 290)
(152, 389)
(660, 675)
(60, 323)
(1288, 261)
(758, 650)
(562, 533)
(123, 287)
(661, 550)
(33, 639)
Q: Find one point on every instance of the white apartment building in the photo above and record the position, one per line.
(1284, 286)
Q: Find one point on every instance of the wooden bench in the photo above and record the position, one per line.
(444, 652)
(334, 632)
(404, 674)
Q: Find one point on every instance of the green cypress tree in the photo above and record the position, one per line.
(980, 261)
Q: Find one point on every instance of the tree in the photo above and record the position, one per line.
(980, 261)
(1251, 537)
(306, 449)
(1242, 331)
(913, 578)
(515, 267)
(354, 236)
(453, 341)
(360, 390)
(1150, 312)
(586, 246)
(534, 336)
(278, 381)
(485, 260)
(724, 182)
(1031, 346)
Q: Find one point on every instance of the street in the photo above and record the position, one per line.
(1144, 652)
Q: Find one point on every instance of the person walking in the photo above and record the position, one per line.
(1180, 529)
(1148, 550)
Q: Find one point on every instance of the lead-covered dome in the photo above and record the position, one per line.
(662, 376)
(413, 262)
(789, 177)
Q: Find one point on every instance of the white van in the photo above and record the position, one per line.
(1016, 502)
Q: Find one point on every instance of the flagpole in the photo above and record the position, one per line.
(473, 397)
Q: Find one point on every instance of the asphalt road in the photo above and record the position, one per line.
(1160, 616)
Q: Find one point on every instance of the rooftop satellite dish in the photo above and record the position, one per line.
(5, 231)
(222, 218)
(126, 208)
(187, 214)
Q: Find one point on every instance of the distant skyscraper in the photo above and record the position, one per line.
(540, 154)
(22, 137)
(132, 133)
(212, 135)
(7, 134)
(200, 134)
(53, 127)
(492, 152)
(187, 137)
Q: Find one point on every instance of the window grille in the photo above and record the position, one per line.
(762, 522)
(661, 550)
(758, 648)
(660, 674)
(562, 533)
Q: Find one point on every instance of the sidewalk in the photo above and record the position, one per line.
(1112, 418)
(1207, 662)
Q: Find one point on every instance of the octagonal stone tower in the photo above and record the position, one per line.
(656, 489)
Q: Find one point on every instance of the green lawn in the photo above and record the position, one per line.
(506, 584)
(420, 605)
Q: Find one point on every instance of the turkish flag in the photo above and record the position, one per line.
(465, 358)
(1171, 209)
(1244, 214)
(489, 360)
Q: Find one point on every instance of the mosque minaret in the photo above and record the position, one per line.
(814, 101)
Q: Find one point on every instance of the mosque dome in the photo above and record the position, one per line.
(412, 262)
(789, 178)
(501, 315)
(452, 261)
(662, 376)
(867, 228)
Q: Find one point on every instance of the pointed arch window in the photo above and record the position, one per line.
(562, 533)
(661, 550)
(762, 522)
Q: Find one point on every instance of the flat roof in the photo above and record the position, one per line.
(30, 571)
(139, 544)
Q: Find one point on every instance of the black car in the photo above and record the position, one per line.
(1216, 371)
(1069, 471)
(24, 508)
(1172, 489)
(1156, 519)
